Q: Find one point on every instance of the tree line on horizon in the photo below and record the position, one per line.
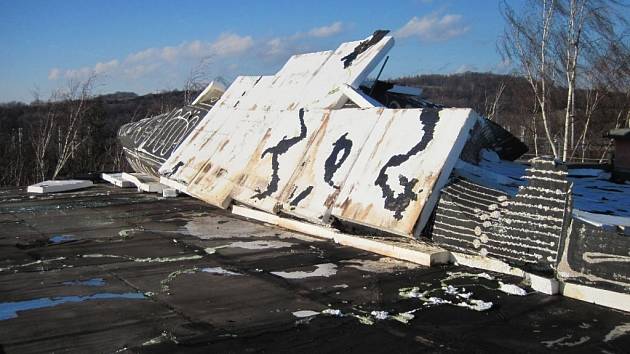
(74, 134)
(570, 86)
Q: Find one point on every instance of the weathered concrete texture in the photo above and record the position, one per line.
(109, 269)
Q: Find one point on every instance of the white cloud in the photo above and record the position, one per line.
(326, 31)
(231, 44)
(101, 68)
(54, 73)
(78, 74)
(242, 50)
(433, 27)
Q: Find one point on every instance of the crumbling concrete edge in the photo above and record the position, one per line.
(423, 254)
(429, 255)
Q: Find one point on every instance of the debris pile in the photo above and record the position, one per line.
(319, 142)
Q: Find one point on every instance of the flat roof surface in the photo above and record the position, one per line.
(113, 270)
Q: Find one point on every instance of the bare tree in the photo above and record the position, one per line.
(75, 101)
(196, 80)
(42, 134)
(554, 38)
(493, 105)
(526, 42)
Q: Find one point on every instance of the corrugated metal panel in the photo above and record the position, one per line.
(395, 181)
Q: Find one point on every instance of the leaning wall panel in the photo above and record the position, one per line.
(406, 159)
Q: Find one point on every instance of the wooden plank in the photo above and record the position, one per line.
(395, 181)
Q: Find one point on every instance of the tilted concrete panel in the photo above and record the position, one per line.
(323, 169)
(395, 181)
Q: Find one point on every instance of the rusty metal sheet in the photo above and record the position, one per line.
(395, 181)
(274, 161)
(323, 169)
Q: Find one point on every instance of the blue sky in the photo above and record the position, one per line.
(149, 46)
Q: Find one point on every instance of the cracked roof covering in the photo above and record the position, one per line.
(107, 269)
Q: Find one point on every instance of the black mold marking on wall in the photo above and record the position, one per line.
(303, 194)
(363, 46)
(333, 162)
(282, 147)
(399, 203)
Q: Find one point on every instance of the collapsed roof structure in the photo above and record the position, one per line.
(319, 143)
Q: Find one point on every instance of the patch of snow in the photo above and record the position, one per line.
(332, 312)
(477, 305)
(341, 286)
(380, 315)
(617, 332)
(322, 270)
(218, 271)
(403, 317)
(305, 313)
(434, 300)
(382, 265)
(600, 220)
(512, 289)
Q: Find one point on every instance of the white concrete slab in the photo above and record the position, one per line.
(396, 178)
(144, 182)
(58, 186)
(116, 179)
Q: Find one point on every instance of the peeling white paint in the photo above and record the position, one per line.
(617, 332)
(259, 245)
(382, 265)
(322, 270)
